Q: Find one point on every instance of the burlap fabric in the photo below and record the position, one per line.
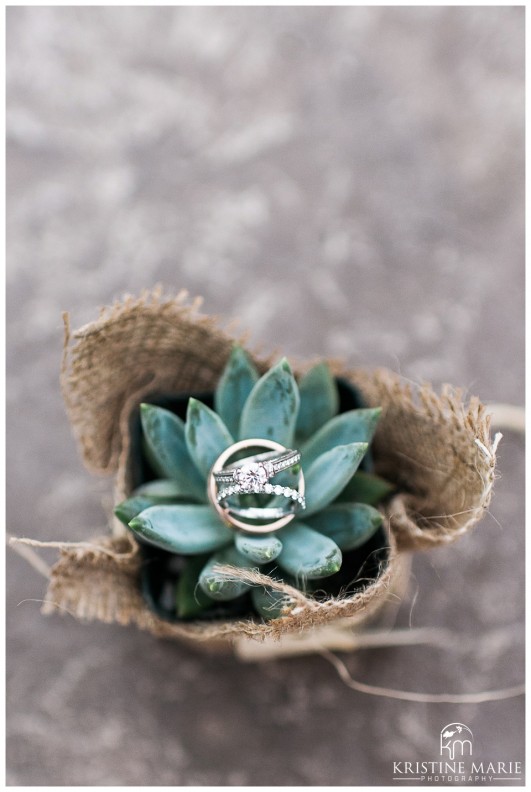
(436, 448)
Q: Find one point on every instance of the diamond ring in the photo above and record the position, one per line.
(252, 473)
(248, 477)
(269, 489)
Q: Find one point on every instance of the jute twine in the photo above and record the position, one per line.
(436, 448)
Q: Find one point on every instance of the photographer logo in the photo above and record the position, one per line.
(456, 740)
(455, 763)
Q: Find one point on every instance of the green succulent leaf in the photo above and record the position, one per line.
(235, 385)
(260, 549)
(206, 435)
(191, 600)
(163, 491)
(268, 602)
(365, 488)
(183, 529)
(166, 451)
(354, 426)
(217, 586)
(271, 409)
(319, 400)
(328, 475)
(348, 524)
(307, 553)
(129, 508)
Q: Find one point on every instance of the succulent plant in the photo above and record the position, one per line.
(173, 513)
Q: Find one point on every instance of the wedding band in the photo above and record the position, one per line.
(269, 489)
(252, 473)
(234, 516)
(255, 513)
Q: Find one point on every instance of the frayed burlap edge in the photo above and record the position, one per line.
(438, 447)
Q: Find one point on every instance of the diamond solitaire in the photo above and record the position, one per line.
(252, 476)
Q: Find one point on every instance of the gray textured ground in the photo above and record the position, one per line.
(349, 182)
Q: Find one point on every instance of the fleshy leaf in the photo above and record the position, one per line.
(271, 409)
(365, 488)
(129, 508)
(235, 385)
(182, 529)
(206, 435)
(163, 491)
(307, 553)
(260, 549)
(348, 524)
(329, 474)
(354, 426)
(269, 602)
(218, 586)
(319, 400)
(165, 448)
(191, 600)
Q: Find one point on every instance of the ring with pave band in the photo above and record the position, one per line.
(252, 473)
(223, 493)
(269, 489)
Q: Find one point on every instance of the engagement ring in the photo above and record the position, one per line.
(252, 473)
(251, 476)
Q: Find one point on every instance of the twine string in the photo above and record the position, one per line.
(419, 698)
(23, 545)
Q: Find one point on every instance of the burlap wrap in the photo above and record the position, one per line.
(436, 448)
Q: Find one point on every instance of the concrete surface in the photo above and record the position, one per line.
(347, 181)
